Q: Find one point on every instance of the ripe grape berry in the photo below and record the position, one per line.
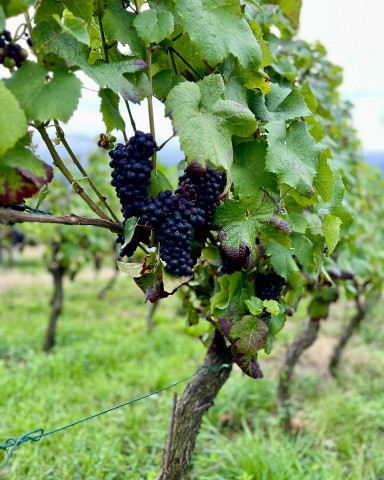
(131, 174)
(269, 286)
(11, 54)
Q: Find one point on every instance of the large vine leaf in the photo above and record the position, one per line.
(293, 155)
(280, 104)
(13, 124)
(109, 75)
(249, 168)
(281, 258)
(240, 221)
(218, 30)
(80, 8)
(154, 26)
(43, 99)
(15, 7)
(22, 175)
(205, 121)
(251, 332)
(117, 23)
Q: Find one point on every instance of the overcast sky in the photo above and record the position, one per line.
(353, 33)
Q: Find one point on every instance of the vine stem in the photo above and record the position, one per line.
(67, 174)
(10, 216)
(150, 102)
(60, 134)
(164, 143)
(130, 115)
(104, 45)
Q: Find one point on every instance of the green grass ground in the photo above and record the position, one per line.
(105, 356)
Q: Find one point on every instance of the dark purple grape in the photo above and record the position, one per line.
(269, 286)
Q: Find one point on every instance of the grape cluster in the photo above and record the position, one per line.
(106, 140)
(208, 184)
(269, 286)
(173, 217)
(131, 174)
(11, 54)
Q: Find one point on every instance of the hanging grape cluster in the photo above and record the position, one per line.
(131, 174)
(11, 54)
(268, 286)
(178, 218)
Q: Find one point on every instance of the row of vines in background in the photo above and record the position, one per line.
(273, 203)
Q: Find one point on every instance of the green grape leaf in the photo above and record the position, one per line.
(15, 7)
(293, 155)
(303, 249)
(324, 182)
(74, 26)
(109, 109)
(248, 168)
(129, 230)
(281, 258)
(276, 322)
(164, 81)
(109, 75)
(154, 26)
(80, 8)
(205, 122)
(251, 332)
(217, 29)
(240, 221)
(159, 183)
(255, 306)
(172, 282)
(331, 230)
(2, 19)
(280, 104)
(46, 9)
(291, 9)
(271, 307)
(229, 301)
(22, 175)
(117, 23)
(131, 269)
(42, 99)
(13, 124)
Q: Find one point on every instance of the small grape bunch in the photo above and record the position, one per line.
(106, 140)
(11, 54)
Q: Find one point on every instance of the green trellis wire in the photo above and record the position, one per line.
(12, 443)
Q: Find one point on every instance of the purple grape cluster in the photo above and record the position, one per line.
(208, 184)
(173, 217)
(131, 174)
(269, 286)
(11, 54)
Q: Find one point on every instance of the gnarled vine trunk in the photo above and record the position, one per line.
(57, 299)
(301, 342)
(196, 400)
(347, 334)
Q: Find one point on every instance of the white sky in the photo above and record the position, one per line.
(353, 33)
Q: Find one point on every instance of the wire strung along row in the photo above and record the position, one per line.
(12, 443)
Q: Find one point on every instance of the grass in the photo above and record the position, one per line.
(105, 356)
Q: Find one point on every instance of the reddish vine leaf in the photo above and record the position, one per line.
(247, 363)
(251, 334)
(22, 175)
